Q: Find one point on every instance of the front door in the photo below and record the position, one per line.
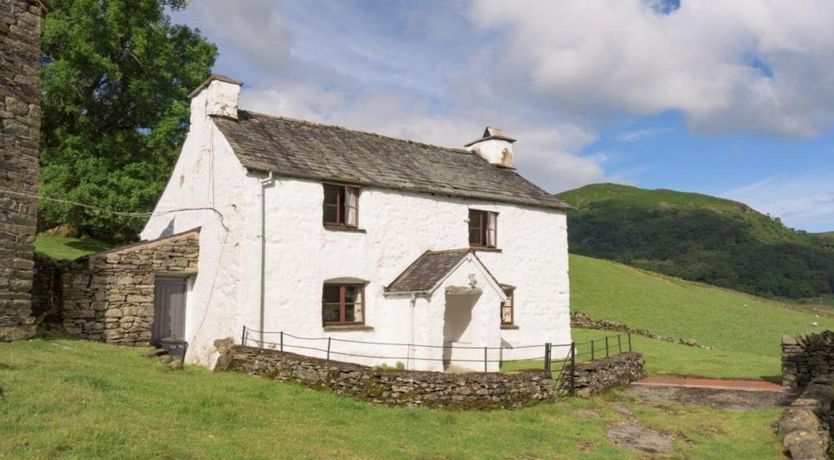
(169, 309)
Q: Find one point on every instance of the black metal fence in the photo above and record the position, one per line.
(604, 347)
(558, 359)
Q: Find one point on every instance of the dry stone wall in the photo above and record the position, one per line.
(600, 376)
(20, 116)
(805, 358)
(388, 386)
(805, 427)
(109, 296)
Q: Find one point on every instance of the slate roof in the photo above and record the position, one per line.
(424, 273)
(305, 150)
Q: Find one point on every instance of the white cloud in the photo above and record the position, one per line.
(254, 30)
(640, 135)
(803, 201)
(756, 65)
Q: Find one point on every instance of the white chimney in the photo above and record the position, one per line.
(218, 95)
(494, 147)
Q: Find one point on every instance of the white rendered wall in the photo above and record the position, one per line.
(301, 255)
(208, 175)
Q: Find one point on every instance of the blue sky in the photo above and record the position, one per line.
(734, 99)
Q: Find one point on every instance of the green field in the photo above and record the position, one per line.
(744, 331)
(66, 248)
(78, 399)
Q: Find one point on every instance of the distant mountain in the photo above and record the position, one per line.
(701, 238)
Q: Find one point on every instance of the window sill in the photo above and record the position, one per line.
(344, 228)
(347, 328)
(510, 327)
(484, 249)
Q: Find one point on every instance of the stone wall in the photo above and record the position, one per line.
(597, 377)
(807, 357)
(20, 115)
(581, 320)
(388, 386)
(805, 427)
(109, 296)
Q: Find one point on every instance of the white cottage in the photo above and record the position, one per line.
(377, 243)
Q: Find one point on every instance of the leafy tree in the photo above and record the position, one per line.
(115, 80)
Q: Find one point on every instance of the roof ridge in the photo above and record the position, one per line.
(345, 128)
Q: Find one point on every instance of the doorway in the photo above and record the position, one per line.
(458, 331)
(169, 310)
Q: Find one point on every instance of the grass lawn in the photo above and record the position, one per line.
(745, 331)
(77, 399)
(66, 248)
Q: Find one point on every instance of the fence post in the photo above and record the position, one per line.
(629, 342)
(606, 346)
(328, 348)
(573, 368)
(620, 343)
(548, 350)
(485, 359)
(243, 336)
(282, 341)
(592, 350)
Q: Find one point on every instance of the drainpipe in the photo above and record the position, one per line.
(411, 349)
(268, 182)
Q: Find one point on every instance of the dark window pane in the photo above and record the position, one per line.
(349, 313)
(475, 236)
(331, 294)
(331, 194)
(330, 313)
(331, 215)
(353, 294)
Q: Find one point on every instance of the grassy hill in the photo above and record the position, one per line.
(744, 331)
(701, 238)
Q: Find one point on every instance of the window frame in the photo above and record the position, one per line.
(343, 305)
(484, 230)
(509, 292)
(342, 206)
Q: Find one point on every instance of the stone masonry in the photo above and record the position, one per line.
(805, 426)
(20, 116)
(597, 377)
(388, 386)
(806, 357)
(109, 296)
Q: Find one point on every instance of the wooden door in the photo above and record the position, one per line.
(169, 309)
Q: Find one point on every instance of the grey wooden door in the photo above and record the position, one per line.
(169, 309)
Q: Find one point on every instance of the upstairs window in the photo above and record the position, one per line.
(343, 304)
(507, 306)
(483, 228)
(341, 205)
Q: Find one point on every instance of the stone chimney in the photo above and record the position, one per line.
(495, 147)
(218, 95)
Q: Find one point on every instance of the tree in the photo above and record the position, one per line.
(115, 80)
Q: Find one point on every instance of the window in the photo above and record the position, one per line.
(343, 304)
(341, 205)
(483, 228)
(507, 306)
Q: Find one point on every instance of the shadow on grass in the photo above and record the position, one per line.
(772, 378)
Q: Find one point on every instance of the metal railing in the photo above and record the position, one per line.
(567, 355)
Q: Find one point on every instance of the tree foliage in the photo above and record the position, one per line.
(699, 238)
(115, 80)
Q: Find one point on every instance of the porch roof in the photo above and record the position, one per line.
(424, 274)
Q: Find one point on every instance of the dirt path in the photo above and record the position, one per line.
(718, 398)
(715, 384)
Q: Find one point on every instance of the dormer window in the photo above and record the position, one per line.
(341, 206)
(483, 228)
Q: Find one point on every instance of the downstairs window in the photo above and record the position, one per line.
(343, 304)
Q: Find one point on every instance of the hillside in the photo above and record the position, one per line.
(744, 331)
(700, 238)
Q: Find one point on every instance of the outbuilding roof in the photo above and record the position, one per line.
(301, 149)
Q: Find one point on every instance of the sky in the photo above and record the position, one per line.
(734, 99)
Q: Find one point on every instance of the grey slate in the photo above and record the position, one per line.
(425, 272)
(305, 150)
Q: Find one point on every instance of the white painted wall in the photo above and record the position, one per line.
(301, 255)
